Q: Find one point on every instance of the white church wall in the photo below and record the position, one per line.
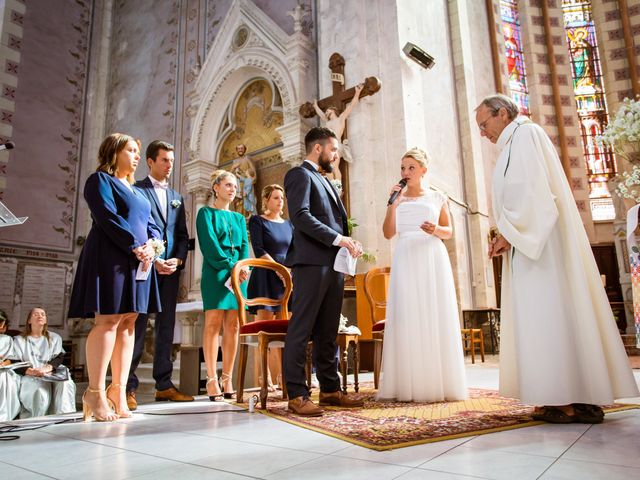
(365, 34)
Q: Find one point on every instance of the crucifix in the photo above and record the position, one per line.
(333, 112)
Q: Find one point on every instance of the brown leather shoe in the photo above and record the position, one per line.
(339, 399)
(304, 407)
(172, 395)
(132, 403)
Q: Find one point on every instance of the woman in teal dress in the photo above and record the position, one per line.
(222, 236)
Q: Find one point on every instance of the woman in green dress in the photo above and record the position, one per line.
(222, 236)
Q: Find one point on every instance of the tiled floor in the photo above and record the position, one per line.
(227, 443)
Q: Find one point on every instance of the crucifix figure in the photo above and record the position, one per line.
(334, 111)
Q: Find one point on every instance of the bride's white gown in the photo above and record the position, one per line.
(422, 357)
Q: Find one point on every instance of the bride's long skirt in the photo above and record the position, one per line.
(422, 357)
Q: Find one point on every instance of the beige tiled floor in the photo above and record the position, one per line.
(227, 443)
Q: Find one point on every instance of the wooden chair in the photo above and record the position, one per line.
(377, 298)
(470, 338)
(263, 333)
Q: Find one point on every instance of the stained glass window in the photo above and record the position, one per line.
(513, 51)
(588, 90)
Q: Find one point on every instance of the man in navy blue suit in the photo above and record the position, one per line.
(320, 222)
(167, 209)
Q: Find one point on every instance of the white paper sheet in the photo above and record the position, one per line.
(141, 274)
(344, 262)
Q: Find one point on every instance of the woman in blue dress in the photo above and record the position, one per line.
(270, 238)
(105, 285)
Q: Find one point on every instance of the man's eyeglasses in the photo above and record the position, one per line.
(483, 125)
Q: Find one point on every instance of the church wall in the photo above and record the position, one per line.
(45, 50)
(144, 56)
(365, 34)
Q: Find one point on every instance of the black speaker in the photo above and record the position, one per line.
(418, 55)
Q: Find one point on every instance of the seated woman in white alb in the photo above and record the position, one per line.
(9, 381)
(43, 349)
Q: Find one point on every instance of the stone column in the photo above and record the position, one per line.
(197, 181)
(191, 333)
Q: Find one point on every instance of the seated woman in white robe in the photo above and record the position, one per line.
(39, 393)
(9, 381)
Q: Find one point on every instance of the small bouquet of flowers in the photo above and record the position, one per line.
(158, 247)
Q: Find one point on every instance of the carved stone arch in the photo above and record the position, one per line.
(226, 86)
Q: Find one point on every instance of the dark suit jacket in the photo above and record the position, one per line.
(318, 219)
(174, 228)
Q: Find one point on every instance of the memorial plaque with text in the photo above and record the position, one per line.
(44, 287)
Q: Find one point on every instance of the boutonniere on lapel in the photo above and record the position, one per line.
(176, 203)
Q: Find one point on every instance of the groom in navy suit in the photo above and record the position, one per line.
(167, 209)
(320, 222)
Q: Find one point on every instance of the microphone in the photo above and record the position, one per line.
(394, 195)
(7, 146)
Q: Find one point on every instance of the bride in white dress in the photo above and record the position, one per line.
(422, 359)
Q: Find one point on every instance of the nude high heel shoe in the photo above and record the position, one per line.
(223, 378)
(213, 398)
(87, 410)
(112, 403)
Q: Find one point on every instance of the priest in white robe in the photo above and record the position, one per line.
(560, 348)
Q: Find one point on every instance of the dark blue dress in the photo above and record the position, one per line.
(273, 238)
(105, 281)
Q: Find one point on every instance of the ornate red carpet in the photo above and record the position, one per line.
(384, 425)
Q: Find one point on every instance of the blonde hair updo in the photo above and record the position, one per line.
(419, 156)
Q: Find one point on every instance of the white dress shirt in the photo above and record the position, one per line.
(161, 193)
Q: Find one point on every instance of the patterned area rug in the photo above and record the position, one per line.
(386, 425)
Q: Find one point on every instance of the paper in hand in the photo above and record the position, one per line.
(344, 262)
(228, 285)
(141, 274)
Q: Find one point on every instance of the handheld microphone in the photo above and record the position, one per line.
(394, 195)
(7, 146)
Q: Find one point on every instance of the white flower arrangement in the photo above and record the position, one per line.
(158, 247)
(629, 184)
(623, 132)
(176, 203)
